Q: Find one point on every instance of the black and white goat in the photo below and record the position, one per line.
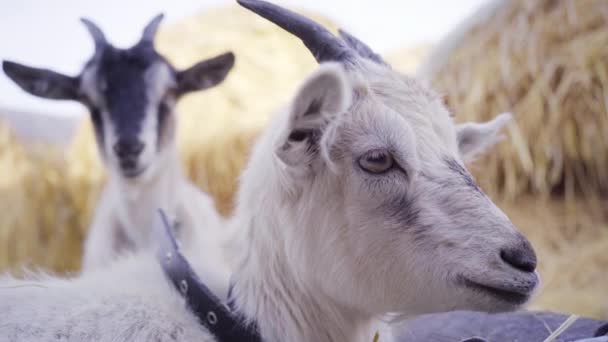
(131, 95)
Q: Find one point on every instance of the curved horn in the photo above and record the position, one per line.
(322, 43)
(98, 37)
(151, 28)
(362, 49)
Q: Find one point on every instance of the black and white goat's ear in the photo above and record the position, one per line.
(42, 82)
(325, 94)
(476, 138)
(205, 74)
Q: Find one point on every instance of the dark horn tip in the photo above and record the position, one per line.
(248, 3)
(231, 57)
(86, 21)
(158, 17)
(8, 67)
(226, 59)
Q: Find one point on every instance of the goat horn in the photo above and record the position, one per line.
(98, 37)
(151, 28)
(323, 45)
(362, 49)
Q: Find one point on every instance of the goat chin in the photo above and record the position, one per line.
(125, 213)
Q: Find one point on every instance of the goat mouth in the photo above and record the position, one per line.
(507, 295)
(132, 172)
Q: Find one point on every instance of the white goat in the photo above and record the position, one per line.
(355, 203)
(131, 94)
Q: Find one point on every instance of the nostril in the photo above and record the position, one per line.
(523, 259)
(128, 148)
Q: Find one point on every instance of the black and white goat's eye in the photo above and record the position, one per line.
(376, 161)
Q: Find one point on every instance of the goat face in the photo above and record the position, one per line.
(130, 93)
(393, 219)
(370, 168)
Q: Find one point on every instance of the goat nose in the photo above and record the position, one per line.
(522, 257)
(125, 148)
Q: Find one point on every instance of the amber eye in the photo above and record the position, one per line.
(376, 161)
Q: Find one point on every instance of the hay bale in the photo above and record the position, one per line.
(571, 240)
(46, 197)
(547, 62)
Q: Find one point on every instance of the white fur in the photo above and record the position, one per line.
(320, 252)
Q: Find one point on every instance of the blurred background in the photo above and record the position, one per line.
(545, 61)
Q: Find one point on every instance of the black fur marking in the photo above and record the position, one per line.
(402, 209)
(460, 170)
(98, 126)
(163, 115)
(122, 73)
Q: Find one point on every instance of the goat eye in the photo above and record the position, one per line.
(377, 161)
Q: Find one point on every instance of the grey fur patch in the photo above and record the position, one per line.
(402, 209)
(455, 166)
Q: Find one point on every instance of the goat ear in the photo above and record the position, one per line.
(205, 74)
(325, 94)
(42, 82)
(476, 138)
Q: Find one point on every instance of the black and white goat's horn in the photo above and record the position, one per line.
(362, 49)
(150, 29)
(322, 43)
(98, 37)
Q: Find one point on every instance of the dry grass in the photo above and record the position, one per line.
(571, 240)
(547, 62)
(47, 195)
(46, 199)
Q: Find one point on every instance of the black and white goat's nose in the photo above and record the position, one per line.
(128, 148)
(520, 256)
